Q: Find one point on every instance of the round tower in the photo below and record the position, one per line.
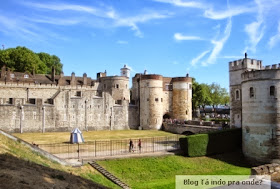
(260, 114)
(151, 101)
(182, 98)
(125, 72)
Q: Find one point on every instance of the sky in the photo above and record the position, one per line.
(166, 37)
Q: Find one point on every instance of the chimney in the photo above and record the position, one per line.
(85, 79)
(73, 80)
(33, 72)
(3, 72)
(8, 76)
(53, 74)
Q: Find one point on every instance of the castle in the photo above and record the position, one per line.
(45, 103)
(255, 106)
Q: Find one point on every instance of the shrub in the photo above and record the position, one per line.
(212, 143)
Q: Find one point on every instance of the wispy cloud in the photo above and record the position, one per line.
(122, 42)
(180, 3)
(199, 57)
(181, 37)
(275, 39)
(219, 15)
(255, 30)
(60, 7)
(55, 21)
(219, 44)
(134, 20)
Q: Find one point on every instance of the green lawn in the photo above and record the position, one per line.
(160, 172)
(61, 137)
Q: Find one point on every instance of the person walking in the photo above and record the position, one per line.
(139, 145)
(130, 145)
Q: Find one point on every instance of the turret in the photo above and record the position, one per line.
(125, 72)
(181, 100)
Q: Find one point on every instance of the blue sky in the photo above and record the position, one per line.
(167, 37)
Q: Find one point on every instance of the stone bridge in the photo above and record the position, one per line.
(188, 129)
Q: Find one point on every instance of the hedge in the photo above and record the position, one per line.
(211, 143)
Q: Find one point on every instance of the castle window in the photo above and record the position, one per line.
(190, 86)
(272, 91)
(117, 86)
(26, 76)
(237, 95)
(78, 93)
(11, 101)
(252, 92)
(105, 86)
(118, 102)
(161, 100)
(156, 99)
(148, 99)
(126, 86)
(50, 101)
(32, 101)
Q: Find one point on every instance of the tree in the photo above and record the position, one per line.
(218, 95)
(50, 61)
(22, 59)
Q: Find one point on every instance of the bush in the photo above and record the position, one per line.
(212, 143)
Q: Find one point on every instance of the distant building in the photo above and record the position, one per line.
(254, 99)
(39, 103)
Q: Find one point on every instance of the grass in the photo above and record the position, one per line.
(62, 137)
(159, 172)
(11, 148)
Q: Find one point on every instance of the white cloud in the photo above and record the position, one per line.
(55, 21)
(180, 3)
(255, 30)
(219, 44)
(61, 7)
(199, 57)
(219, 15)
(122, 42)
(180, 37)
(134, 20)
(275, 39)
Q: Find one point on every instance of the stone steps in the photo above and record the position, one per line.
(109, 175)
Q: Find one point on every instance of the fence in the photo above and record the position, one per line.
(111, 147)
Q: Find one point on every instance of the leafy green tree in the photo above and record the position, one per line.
(22, 59)
(50, 61)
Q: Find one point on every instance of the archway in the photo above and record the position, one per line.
(188, 133)
(166, 116)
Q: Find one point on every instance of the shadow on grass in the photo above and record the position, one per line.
(19, 173)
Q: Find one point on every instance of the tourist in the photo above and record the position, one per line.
(139, 145)
(130, 145)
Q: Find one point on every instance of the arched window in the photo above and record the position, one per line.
(272, 91)
(252, 92)
(237, 95)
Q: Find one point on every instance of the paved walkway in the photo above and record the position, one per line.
(130, 155)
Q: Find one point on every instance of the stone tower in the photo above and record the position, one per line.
(236, 68)
(151, 101)
(182, 95)
(125, 72)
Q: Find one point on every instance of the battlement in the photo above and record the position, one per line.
(245, 63)
(267, 72)
(41, 85)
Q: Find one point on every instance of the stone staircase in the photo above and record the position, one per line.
(109, 175)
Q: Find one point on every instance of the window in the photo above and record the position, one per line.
(190, 86)
(156, 99)
(117, 86)
(161, 100)
(148, 99)
(272, 91)
(237, 95)
(104, 86)
(79, 93)
(252, 92)
(118, 102)
(11, 101)
(32, 100)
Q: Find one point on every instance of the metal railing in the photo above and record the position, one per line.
(100, 148)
